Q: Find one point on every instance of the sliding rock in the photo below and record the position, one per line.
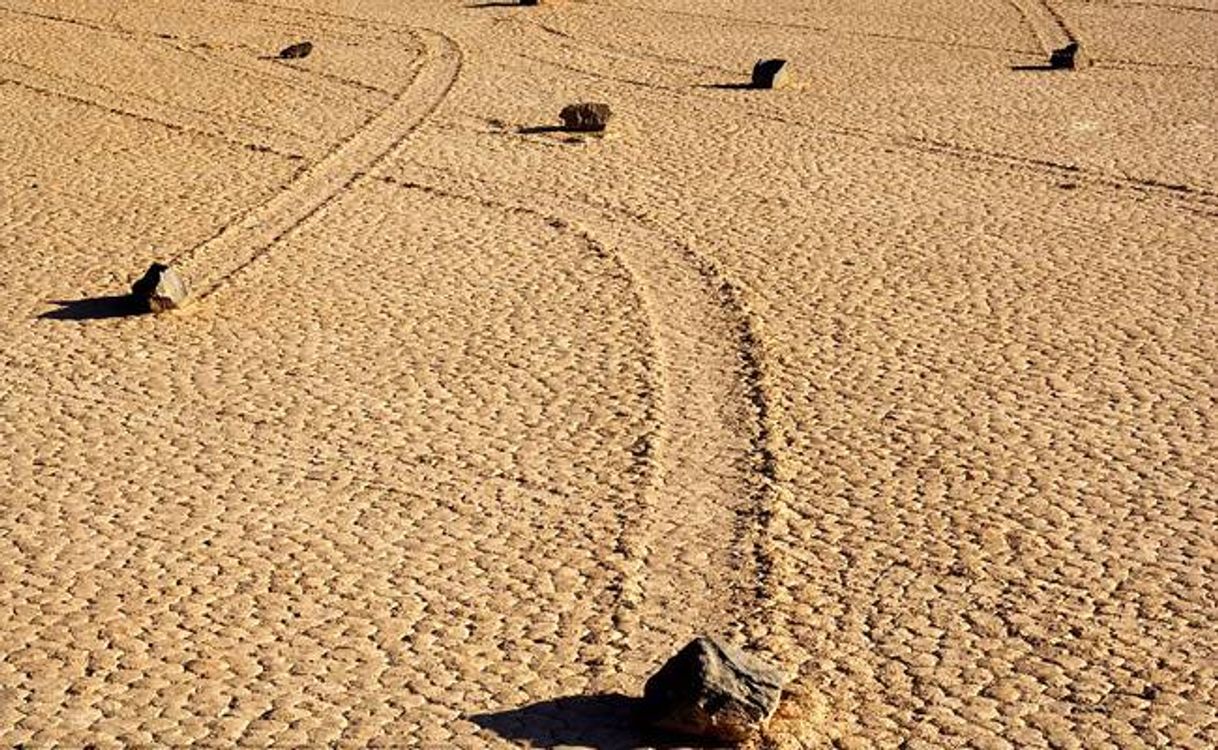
(1065, 58)
(296, 51)
(771, 74)
(161, 289)
(586, 117)
(713, 691)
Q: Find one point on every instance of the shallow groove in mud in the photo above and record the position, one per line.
(237, 244)
(629, 547)
(756, 502)
(804, 27)
(1185, 194)
(168, 116)
(207, 54)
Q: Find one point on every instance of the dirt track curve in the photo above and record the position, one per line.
(903, 377)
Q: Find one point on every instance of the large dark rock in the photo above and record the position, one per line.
(296, 51)
(1065, 58)
(771, 74)
(713, 691)
(161, 289)
(585, 117)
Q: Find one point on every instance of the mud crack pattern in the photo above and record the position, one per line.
(903, 376)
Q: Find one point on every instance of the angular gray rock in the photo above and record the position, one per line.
(585, 117)
(1064, 58)
(296, 51)
(713, 691)
(771, 74)
(161, 288)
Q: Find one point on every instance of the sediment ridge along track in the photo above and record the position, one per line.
(238, 243)
(706, 536)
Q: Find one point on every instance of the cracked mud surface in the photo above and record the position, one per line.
(904, 376)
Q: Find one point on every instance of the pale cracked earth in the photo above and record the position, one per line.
(904, 376)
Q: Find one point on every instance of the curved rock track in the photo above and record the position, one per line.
(901, 376)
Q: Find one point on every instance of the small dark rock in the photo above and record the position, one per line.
(161, 288)
(1064, 58)
(771, 74)
(296, 51)
(586, 117)
(713, 691)
(530, 2)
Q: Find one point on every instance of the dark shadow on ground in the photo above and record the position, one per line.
(96, 308)
(1040, 67)
(534, 129)
(730, 86)
(497, 4)
(609, 721)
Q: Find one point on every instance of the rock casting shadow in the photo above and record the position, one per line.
(96, 308)
(605, 722)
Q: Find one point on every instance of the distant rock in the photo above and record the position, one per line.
(1065, 58)
(161, 289)
(530, 2)
(713, 691)
(586, 117)
(771, 74)
(296, 51)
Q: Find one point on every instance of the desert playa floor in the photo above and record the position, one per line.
(904, 376)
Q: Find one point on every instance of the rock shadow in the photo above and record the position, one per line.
(609, 721)
(96, 308)
(1041, 67)
(535, 129)
(747, 86)
(498, 4)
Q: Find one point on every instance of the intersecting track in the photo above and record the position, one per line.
(239, 133)
(1046, 24)
(801, 27)
(238, 243)
(1194, 198)
(281, 75)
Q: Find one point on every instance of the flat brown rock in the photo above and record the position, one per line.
(585, 117)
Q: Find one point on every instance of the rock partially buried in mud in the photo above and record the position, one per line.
(771, 74)
(296, 51)
(1066, 58)
(161, 289)
(713, 691)
(585, 117)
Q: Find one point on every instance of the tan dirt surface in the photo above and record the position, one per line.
(904, 376)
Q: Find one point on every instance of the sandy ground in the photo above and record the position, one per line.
(904, 376)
